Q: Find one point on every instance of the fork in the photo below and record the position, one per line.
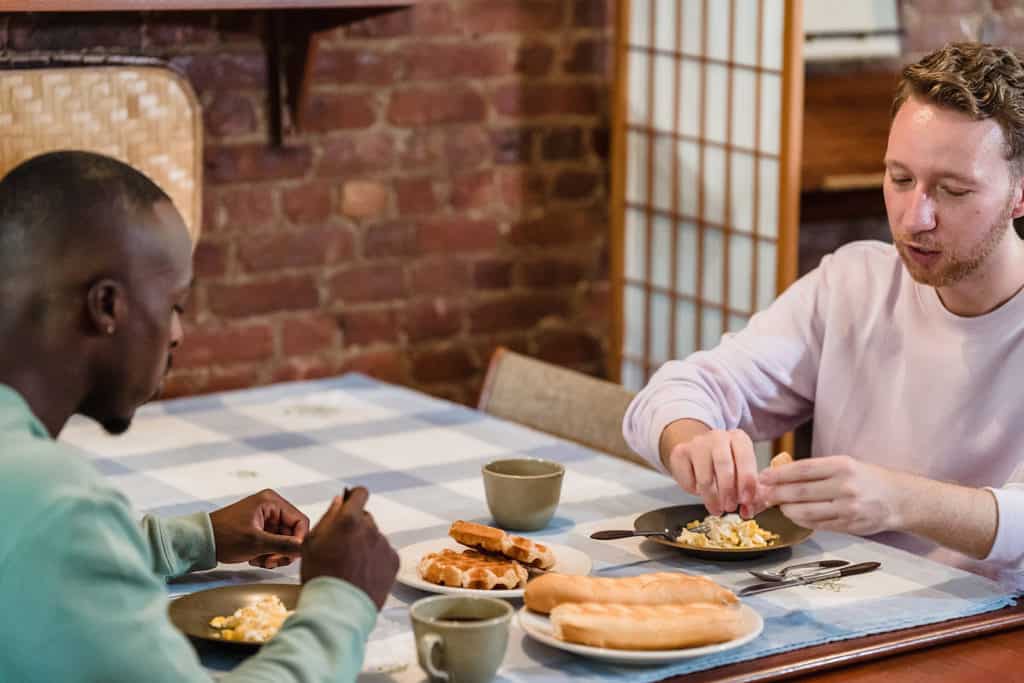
(612, 534)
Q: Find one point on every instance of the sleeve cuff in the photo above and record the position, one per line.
(186, 541)
(326, 593)
(666, 415)
(1008, 547)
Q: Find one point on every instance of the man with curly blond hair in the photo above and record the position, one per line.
(907, 356)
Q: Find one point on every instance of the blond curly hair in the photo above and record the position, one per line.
(983, 81)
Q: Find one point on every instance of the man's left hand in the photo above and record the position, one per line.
(263, 529)
(836, 493)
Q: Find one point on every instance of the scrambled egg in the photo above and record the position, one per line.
(255, 623)
(729, 531)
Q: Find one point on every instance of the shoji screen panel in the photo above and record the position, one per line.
(705, 194)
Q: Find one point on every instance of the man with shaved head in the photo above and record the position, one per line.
(95, 268)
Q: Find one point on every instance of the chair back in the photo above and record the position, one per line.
(557, 401)
(139, 112)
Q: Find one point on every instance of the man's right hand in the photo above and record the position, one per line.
(719, 466)
(347, 545)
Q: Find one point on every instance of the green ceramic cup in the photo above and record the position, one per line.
(522, 493)
(460, 639)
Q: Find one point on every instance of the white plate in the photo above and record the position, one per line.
(567, 561)
(538, 626)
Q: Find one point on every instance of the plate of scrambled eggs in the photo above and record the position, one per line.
(247, 615)
(729, 538)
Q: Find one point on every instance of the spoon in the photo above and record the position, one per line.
(612, 534)
(784, 573)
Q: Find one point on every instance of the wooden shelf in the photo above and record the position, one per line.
(187, 5)
(302, 24)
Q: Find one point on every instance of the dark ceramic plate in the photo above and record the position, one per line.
(192, 613)
(678, 516)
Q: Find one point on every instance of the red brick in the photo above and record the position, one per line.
(513, 145)
(74, 31)
(535, 59)
(364, 198)
(576, 184)
(422, 148)
(551, 272)
(230, 379)
(237, 209)
(308, 334)
(172, 29)
(442, 365)
(600, 142)
(492, 274)
(474, 190)
(515, 312)
(435, 18)
(258, 161)
(183, 383)
(371, 66)
(357, 154)
(559, 227)
(295, 249)
(418, 106)
(232, 344)
(446, 61)
(367, 283)
(210, 259)
(415, 195)
(225, 71)
(384, 364)
(338, 111)
(307, 203)
(297, 369)
(290, 293)
(520, 16)
(229, 113)
(568, 347)
(593, 13)
(596, 306)
(438, 277)
(390, 24)
(456, 234)
(432, 319)
(521, 187)
(390, 240)
(589, 56)
(368, 327)
(466, 147)
(513, 341)
(562, 143)
(547, 99)
(240, 27)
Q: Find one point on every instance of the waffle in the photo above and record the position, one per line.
(491, 540)
(470, 569)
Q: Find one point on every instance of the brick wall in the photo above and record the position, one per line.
(447, 194)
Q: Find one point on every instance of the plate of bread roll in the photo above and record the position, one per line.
(476, 559)
(651, 618)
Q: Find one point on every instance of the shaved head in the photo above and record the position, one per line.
(95, 265)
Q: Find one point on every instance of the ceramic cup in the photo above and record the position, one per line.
(460, 639)
(522, 493)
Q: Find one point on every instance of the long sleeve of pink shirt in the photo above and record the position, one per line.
(888, 375)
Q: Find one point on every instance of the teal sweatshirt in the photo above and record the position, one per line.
(82, 586)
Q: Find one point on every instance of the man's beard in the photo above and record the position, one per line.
(954, 268)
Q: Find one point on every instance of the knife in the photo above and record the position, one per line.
(810, 578)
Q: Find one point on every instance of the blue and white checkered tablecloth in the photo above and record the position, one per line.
(421, 458)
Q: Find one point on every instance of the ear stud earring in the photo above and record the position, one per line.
(110, 329)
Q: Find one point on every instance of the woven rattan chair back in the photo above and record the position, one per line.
(145, 115)
(557, 401)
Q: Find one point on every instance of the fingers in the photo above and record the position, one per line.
(279, 543)
(745, 462)
(356, 501)
(704, 476)
(811, 515)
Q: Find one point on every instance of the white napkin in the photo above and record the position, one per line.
(391, 646)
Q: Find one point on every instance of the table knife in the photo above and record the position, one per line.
(810, 578)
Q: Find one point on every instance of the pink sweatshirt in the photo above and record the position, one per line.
(889, 376)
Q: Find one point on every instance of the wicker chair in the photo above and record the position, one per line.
(136, 110)
(557, 401)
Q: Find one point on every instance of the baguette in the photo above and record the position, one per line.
(546, 592)
(648, 627)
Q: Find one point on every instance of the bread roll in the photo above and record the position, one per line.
(781, 459)
(648, 627)
(546, 592)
